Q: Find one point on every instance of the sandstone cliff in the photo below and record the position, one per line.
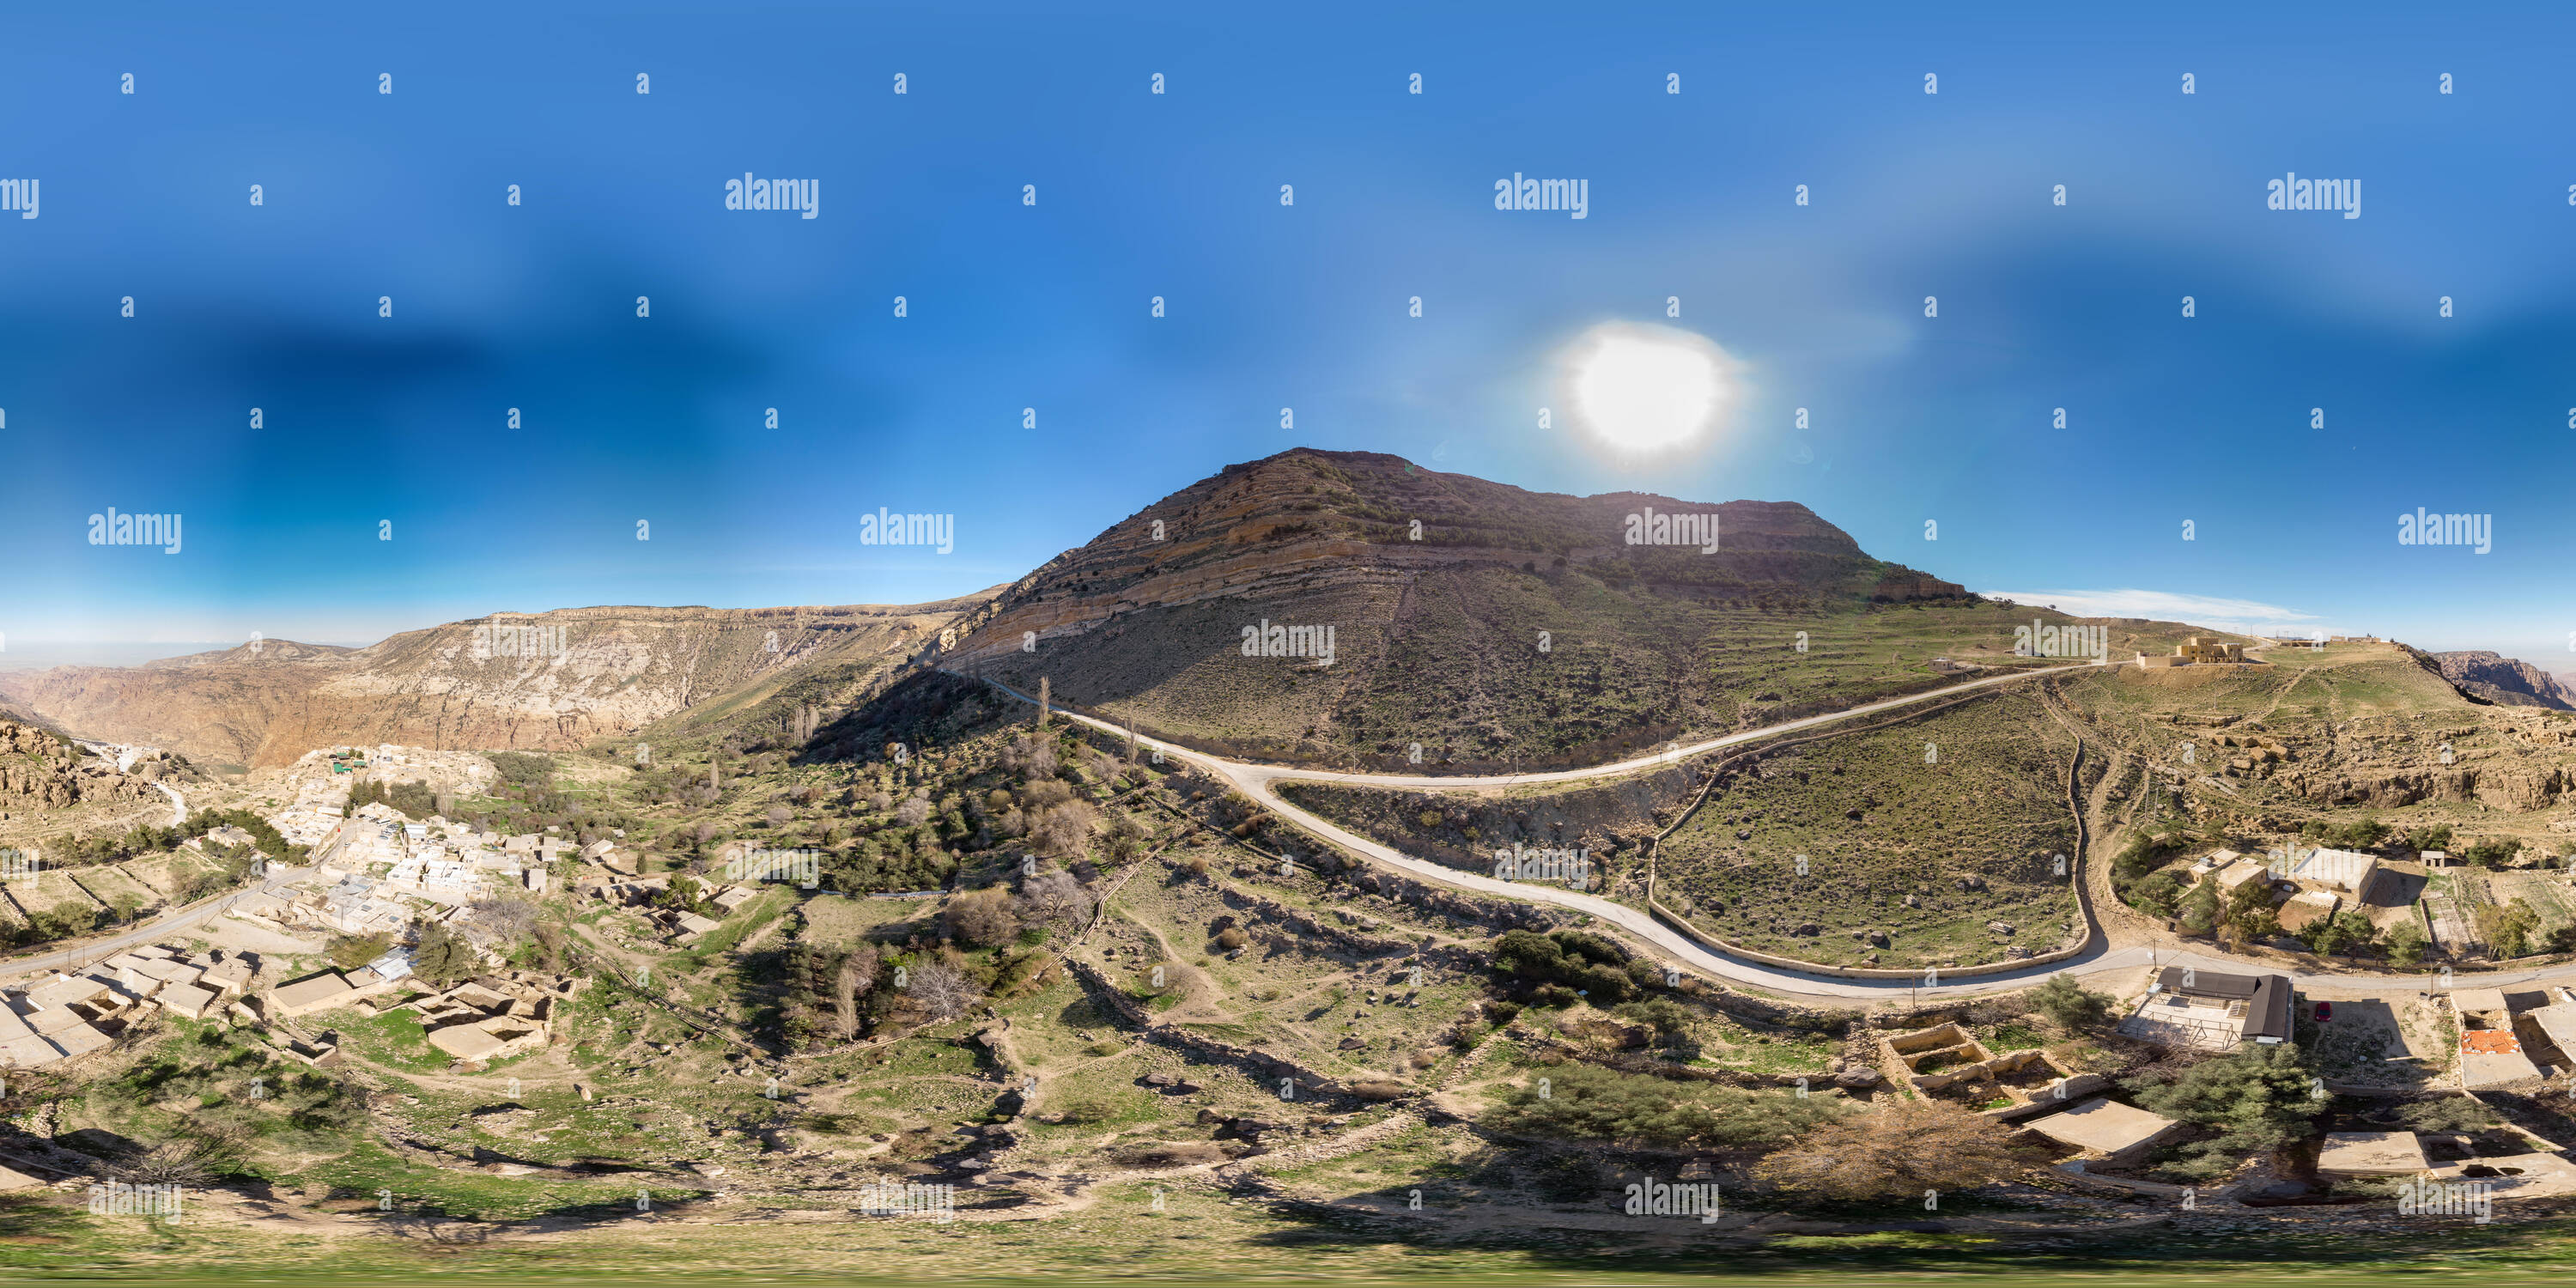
(2505, 681)
(537, 681)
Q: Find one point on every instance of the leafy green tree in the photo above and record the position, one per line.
(2160, 894)
(2249, 916)
(2507, 929)
(441, 956)
(2200, 908)
(2436, 836)
(2346, 931)
(2406, 943)
(2257, 1100)
(2493, 853)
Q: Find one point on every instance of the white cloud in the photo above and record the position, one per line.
(2243, 616)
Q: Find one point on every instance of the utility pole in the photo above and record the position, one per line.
(1131, 740)
(1042, 701)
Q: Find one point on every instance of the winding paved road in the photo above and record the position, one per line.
(1260, 782)
(275, 882)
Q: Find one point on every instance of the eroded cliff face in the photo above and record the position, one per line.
(2504, 681)
(544, 681)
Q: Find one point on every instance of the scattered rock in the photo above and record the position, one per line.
(2000, 927)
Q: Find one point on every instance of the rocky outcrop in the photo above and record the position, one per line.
(2504, 681)
(2509, 786)
(40, 771)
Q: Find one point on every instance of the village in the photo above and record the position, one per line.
(372, 872)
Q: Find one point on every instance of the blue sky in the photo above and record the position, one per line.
(1950, 419)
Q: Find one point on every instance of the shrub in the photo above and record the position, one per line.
(1568, 961)
(2490, 854)
(1897, 1152)
(982, 918)
(349, 952)
(2069, 1004)
(1587, 1102)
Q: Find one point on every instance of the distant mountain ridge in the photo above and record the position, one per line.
(477, 684)
(2505, 681)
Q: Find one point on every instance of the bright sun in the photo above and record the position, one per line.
(1643, 389)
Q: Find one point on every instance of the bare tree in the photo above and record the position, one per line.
(941, 990)
(1032, 756)
(1066, 830)
(914, 812)
(499, 924)
(1054, 899)
(982, 918)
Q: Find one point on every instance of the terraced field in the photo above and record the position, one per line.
(1926, 833)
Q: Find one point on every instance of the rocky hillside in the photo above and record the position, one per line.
(542, 681)
(41, 771)
(1470, 616)
(2505, 681)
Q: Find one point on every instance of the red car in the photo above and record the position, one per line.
(2325, 1012)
